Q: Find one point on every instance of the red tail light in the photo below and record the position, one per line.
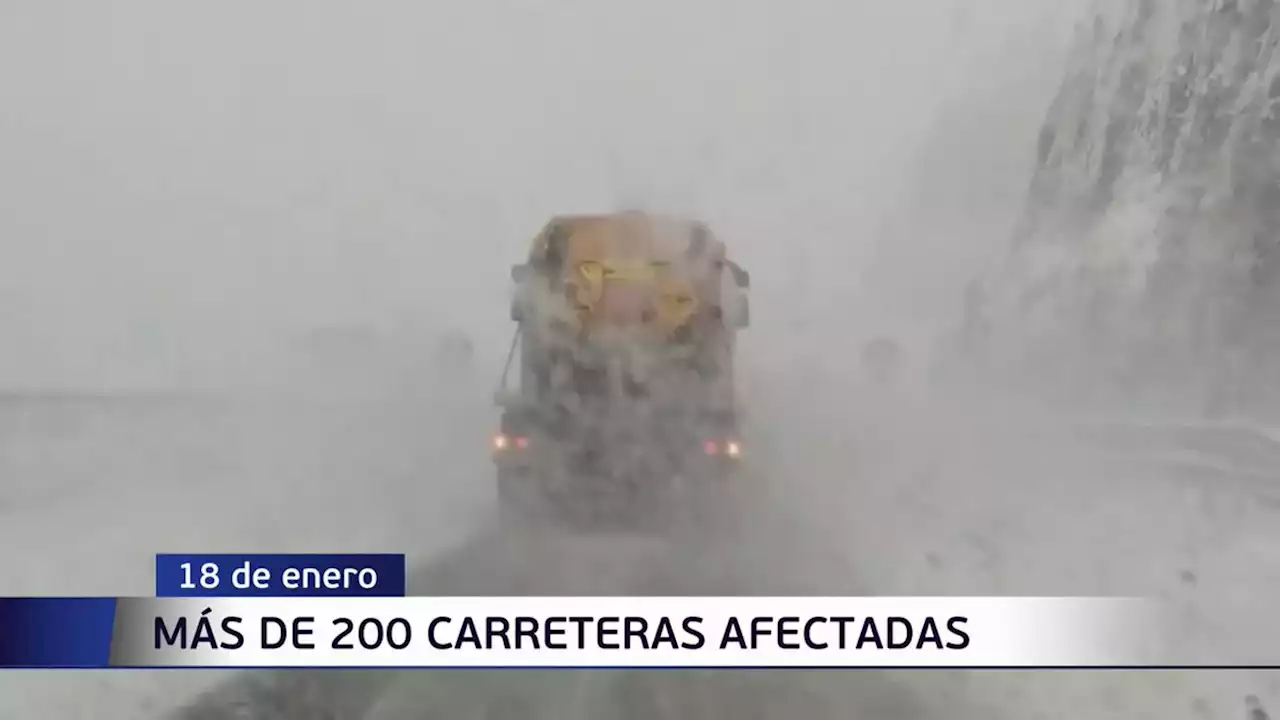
(728, 448)
(502, 443)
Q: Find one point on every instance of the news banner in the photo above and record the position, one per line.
(351, 611)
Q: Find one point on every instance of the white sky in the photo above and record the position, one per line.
(181, 181)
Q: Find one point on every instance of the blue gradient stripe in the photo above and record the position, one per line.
(56, 632)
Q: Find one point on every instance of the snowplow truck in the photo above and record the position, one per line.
(623, 404)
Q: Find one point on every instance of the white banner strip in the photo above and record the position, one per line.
(586, 632)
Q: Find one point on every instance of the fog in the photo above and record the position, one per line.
(186, 188)
(188, 192)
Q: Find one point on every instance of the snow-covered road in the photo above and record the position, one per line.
(988, 506)
(91, 489)
(985, 505)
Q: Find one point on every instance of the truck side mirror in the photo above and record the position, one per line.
(520, 272)
(741, 277)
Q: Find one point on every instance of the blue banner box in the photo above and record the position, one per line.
(305, 575)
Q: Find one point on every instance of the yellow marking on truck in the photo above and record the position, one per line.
(588, 294)
(596, 273)
(592, 272)
(677, 304)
